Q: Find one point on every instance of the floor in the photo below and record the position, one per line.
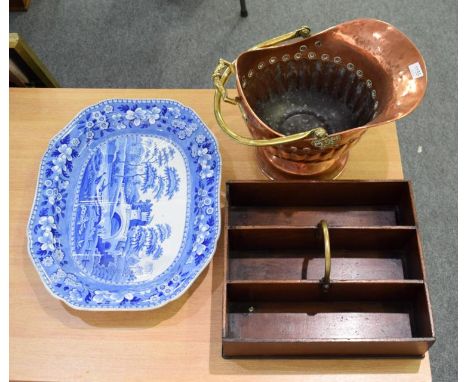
(177, 43)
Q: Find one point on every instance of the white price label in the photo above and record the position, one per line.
(416, 71)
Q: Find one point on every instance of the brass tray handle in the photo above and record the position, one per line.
(325, 281)
(220, 76)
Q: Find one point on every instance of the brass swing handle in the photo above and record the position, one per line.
(303, 32)
(325, 281)
(220, 76)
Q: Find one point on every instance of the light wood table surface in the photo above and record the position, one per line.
(181, 341)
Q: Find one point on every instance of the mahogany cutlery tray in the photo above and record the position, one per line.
(277, 300)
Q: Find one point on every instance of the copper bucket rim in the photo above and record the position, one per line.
(353, 130)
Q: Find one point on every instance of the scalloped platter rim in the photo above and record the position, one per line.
(114, 187)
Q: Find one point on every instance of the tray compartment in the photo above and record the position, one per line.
(341, 203)
(349, 311)
(297, 254)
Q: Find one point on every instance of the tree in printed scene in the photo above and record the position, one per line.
(147, 240)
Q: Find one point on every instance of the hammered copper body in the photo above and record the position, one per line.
(345, 79)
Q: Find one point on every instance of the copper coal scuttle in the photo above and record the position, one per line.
(308, 102)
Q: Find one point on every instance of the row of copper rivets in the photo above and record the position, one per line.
(311, 55)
